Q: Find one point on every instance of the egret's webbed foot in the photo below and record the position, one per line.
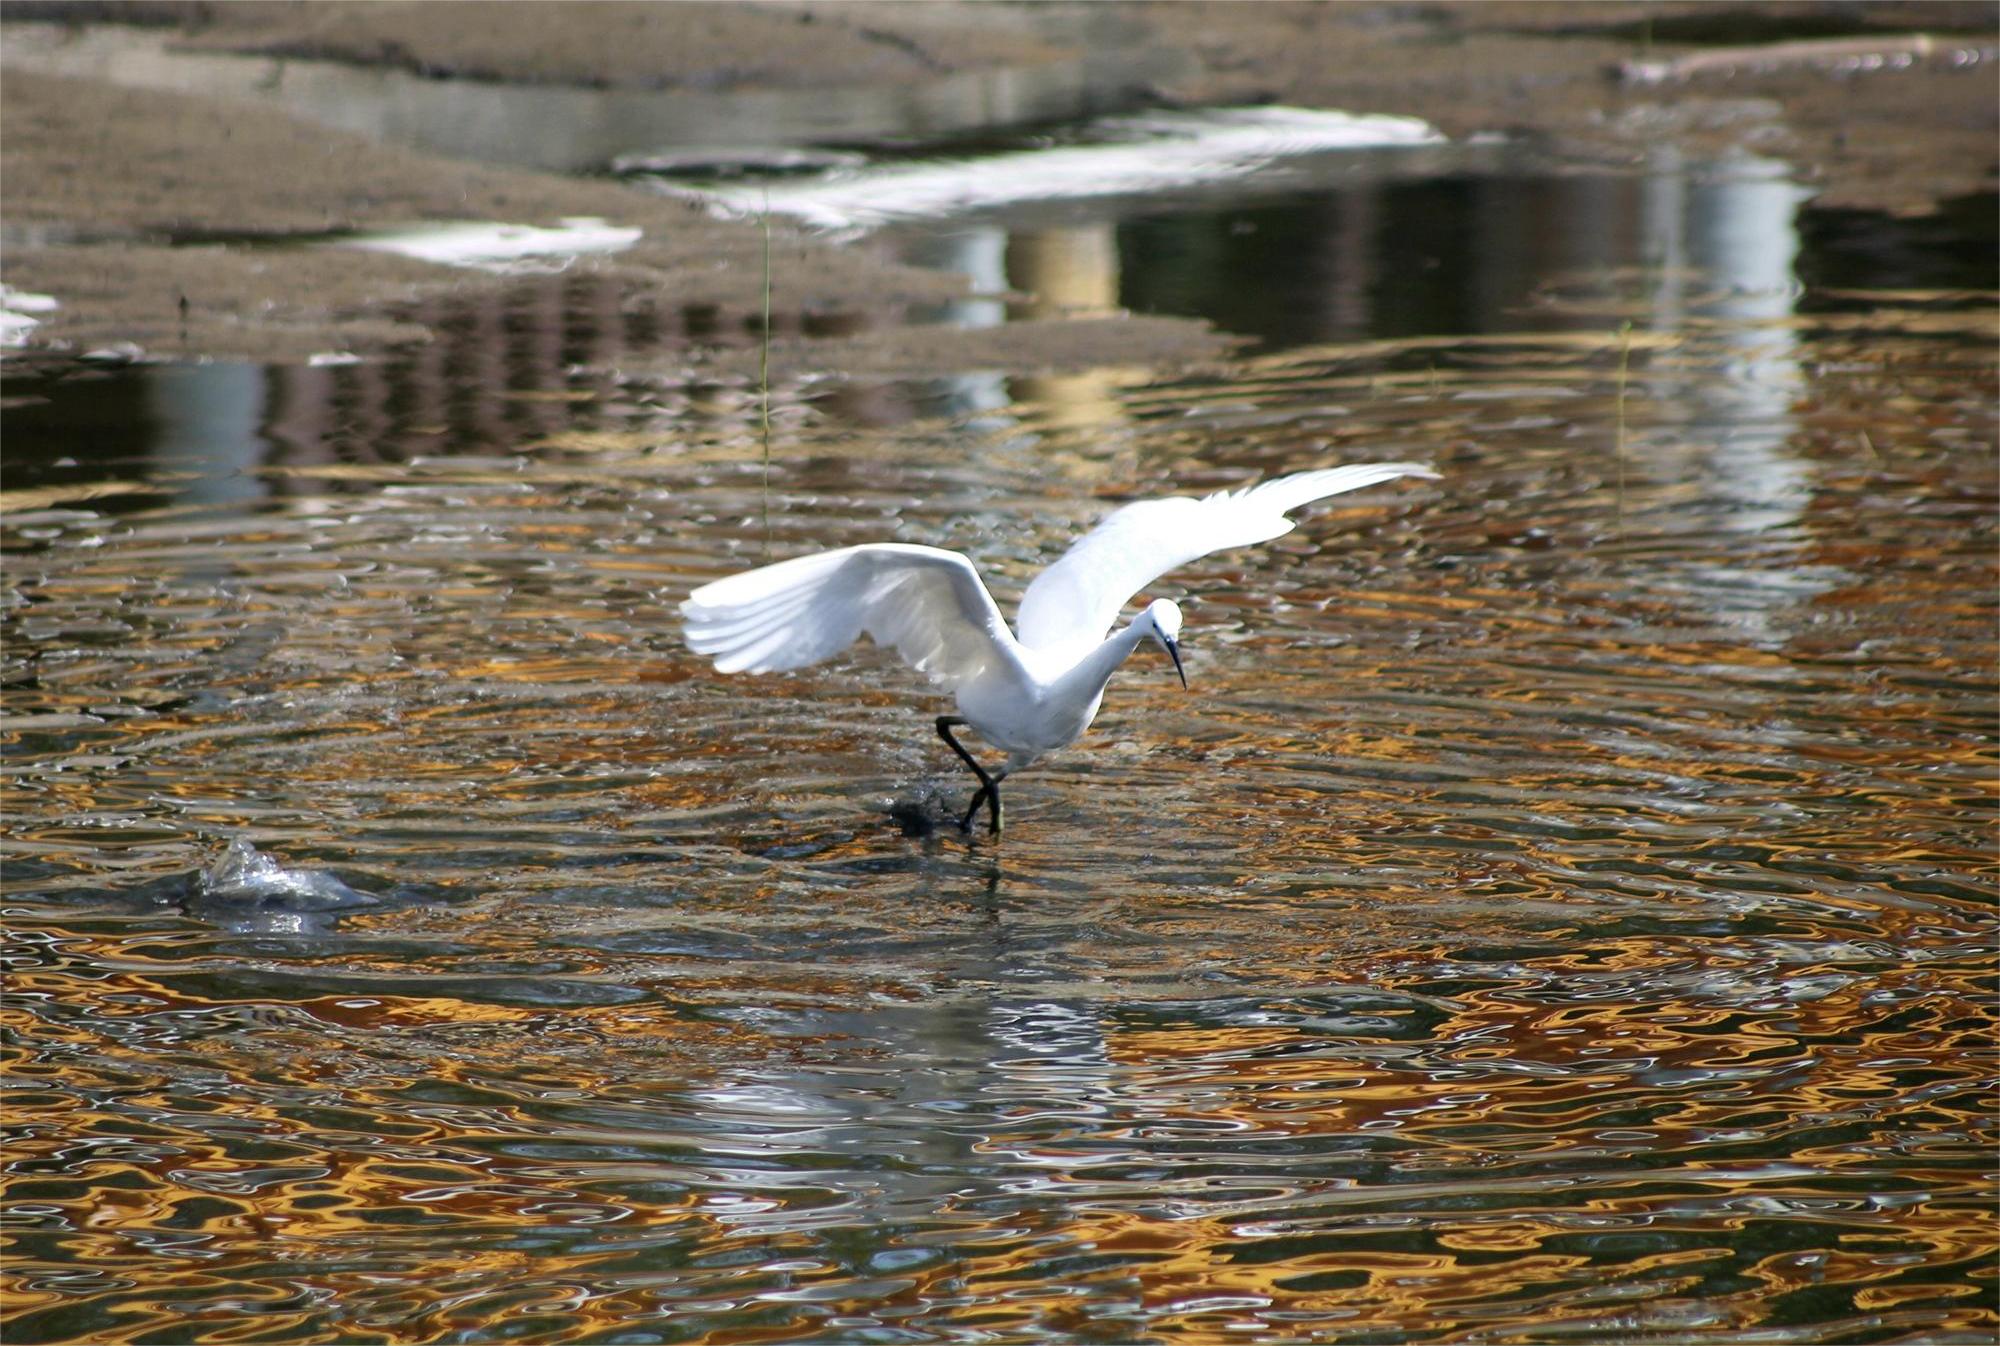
(988, 792)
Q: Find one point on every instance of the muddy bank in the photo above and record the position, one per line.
(92, 218)
(1887, 134)
(1863, 126)
(1025, 346)
(194, 201)
(620, 44)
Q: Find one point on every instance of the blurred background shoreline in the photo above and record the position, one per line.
(155, 149)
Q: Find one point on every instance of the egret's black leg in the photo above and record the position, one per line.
(989, 785)
(989, 795)
(978, 797)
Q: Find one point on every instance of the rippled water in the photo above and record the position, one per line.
(1560, 911)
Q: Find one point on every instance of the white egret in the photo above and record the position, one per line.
(1028, 691)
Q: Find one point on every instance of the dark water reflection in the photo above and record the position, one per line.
(1561, 910)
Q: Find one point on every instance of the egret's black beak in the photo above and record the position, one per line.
(1174, 653)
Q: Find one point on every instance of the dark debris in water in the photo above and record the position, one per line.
(925, 811)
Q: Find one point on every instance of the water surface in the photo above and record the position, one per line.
(1561, 909)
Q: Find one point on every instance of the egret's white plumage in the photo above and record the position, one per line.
(1027, 691)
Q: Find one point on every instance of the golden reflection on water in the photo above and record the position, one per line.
(1561, 910)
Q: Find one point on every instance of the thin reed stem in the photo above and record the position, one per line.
(1624, 367)
(764, 374)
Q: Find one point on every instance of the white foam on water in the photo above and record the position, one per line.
(16, 306)
(489, 246)
(1139, 154)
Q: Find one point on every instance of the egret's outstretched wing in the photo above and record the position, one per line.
(926, 603)
(1077, 599)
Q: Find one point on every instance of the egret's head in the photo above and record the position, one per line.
(1165, 616)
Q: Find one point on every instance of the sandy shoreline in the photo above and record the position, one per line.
(104, 183)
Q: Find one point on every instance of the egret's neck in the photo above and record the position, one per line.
(1090, 673)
